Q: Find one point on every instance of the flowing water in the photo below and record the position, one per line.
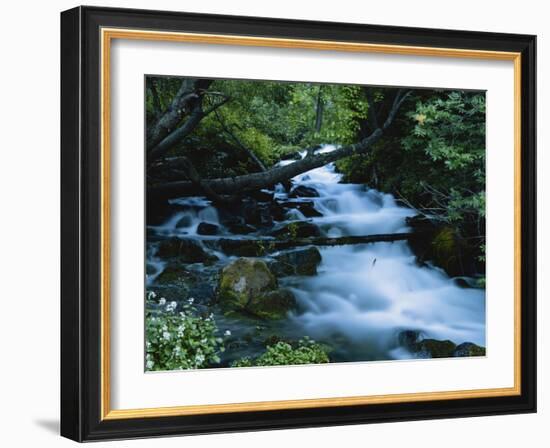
(363, 295)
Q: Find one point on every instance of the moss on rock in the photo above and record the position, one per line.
(248, 285)
(432, 348)
(242, 280)
(297, 262)
(297, 229)
(272, 304)
(469, 349)
(185, 250)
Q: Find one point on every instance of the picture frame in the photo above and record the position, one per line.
(87, 34)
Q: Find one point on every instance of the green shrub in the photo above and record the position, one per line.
(179, 340)
(307, 351)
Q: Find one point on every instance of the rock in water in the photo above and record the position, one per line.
(241, 228)
(186, 250)
(184, 221)
(469, 349)
(413, 341)
(262, 195)
(248, 285)
(305, 207)
(432, 348)
(258, 215)
(244, 279)
(244, 248)
(206, 228)
(176, 275)
(301, 191)
(297, 229)
(297, 262)
(272, 304)
(407, 338)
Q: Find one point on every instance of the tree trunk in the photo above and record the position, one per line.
(266, 179)
(258, 247)
(181, 105)
(277, 174)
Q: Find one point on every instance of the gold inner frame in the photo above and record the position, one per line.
(107, 35)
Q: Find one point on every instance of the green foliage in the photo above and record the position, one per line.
(179, 340)
(433, 157)
(268, 118)
(451, 130)
(307, 351)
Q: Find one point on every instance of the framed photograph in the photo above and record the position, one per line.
(276, 224)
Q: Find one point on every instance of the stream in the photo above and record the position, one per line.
(364, 295)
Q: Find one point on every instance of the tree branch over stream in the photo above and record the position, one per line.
(262, 246)
(266, 179)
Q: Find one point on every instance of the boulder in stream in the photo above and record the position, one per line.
(303, 261)
(244, 247)
(469, 349)
(297, 229)
(272, 304)
(413, 341)
(247, 284)
(305, 207)
(432, 348)
(241, 228)
(185, 250)
(302, 191)
(206, 228)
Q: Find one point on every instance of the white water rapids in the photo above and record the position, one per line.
(368, 293)
(364, 295)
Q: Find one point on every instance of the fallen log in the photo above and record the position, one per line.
(263, 246)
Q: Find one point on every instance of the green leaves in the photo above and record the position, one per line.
(306, 351)
(451, 130)
(177, 338)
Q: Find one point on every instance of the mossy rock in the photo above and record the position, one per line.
(174, 274)
(241, 228)
(272, 304)
(206, 228)
(441, 245)
(469, 349)
(247, 285)
(297, 229)
(185, 250)
(432, 348)
(245, 248)
(446, 250)
(297, 262)
(302, 191)
(243, 280)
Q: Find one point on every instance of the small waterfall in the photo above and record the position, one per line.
(186, 222)
(363, 295)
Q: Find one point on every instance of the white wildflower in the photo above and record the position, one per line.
(191, 300)
(162, 301)
(166, 335)
(171, 306)
(227, 333)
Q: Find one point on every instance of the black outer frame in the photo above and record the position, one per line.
(80, 224)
